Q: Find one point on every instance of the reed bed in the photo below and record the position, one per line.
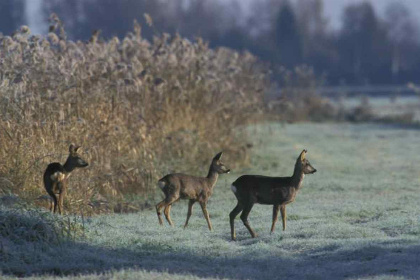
(139, 109)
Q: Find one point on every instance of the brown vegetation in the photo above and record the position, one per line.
(297, 99)
(139, 109)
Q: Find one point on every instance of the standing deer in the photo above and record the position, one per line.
(55, 177)
(180, 186)
(276, 191)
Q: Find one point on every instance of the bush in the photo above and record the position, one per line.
(23, 224)
(297, 99)
(362, 112)
(31, 238)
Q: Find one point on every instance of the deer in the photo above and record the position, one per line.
(276, 191)
(56, 175)
(178, 186)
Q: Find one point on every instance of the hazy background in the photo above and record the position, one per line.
(334, 8)
(346, 42)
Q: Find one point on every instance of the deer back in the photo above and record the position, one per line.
(264, 189)
(186, 186)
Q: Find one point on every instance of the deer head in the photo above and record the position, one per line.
(303, 164)
(218, 165)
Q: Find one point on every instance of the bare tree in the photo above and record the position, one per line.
(403, 34)
(312, 25)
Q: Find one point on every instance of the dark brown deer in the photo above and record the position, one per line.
(55, 177)
(180, 186)
(276, 191)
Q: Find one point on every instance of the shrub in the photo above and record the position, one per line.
(23, 224)
(32, 238)
(297, 99)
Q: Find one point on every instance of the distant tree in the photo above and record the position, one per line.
(318, 47)
(365, 49)
(11, 15)
(114, 18)
(235, 38)
(287, 38)
(363, 46)
(404, 36)
(71, 14)
(312, 25)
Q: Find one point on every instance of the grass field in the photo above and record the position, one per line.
(386, 106)
(358, 217)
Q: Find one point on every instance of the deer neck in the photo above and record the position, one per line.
(68, 167)
(212, 177)
(297, 178)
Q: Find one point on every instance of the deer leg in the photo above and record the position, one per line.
(190, 207)
(60, 205)
(206, 214)
(167, 213)
(283, 216)
(232, 217)
(54, 202)
(167, 203)
(61, 198)
(159, 207)
(49, 187)
(276, 209)
(244, 218)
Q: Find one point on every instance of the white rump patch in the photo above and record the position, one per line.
(233, 188)
(161, 184)
(58, 176)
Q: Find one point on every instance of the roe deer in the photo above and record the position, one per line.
(276, 191)
(180, 186)
(55, 177)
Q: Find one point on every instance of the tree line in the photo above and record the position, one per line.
(366, 49)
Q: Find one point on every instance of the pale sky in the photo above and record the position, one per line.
(35, 23)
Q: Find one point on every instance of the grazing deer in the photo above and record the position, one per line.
(55, 177)
(276, 191)
(180, 186)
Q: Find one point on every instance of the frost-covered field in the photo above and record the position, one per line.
(358, 217)
(386, 106)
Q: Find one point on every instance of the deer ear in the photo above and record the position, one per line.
(73, 148)
(218, 156)
(303, 154)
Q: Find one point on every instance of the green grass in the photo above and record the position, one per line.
(357, 218)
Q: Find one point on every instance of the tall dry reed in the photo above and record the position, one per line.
(139, 109)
